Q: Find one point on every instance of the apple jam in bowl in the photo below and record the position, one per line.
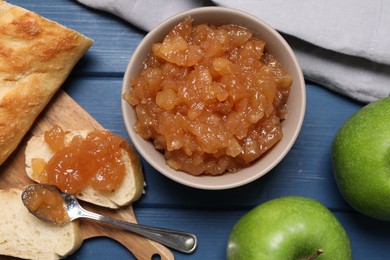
(213, 98)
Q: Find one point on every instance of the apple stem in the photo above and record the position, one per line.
(316, 254)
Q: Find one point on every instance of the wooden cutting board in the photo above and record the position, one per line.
(64, 111)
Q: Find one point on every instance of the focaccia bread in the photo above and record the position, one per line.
(25, 236)
(36, 56)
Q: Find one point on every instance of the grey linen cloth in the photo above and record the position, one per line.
(343, 45)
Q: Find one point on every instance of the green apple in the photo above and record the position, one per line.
(361, 160)
(289, 228)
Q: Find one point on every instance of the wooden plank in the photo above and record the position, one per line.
(369, 238)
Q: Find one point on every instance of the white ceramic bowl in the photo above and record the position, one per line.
(296, 104)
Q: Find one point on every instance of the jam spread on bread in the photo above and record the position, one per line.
(91, 161)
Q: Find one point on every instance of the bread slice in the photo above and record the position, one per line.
(36, 56)
(25, 236)
(132, 185)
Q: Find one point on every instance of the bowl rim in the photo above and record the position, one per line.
(206, 182)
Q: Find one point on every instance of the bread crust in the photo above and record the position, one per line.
(36, 56)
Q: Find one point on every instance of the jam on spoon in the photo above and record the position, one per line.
(47, 203)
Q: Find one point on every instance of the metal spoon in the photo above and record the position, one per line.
(178, 240)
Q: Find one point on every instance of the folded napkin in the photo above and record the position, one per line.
(342, 45)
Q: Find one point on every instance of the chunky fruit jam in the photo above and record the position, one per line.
(95, 161)
(211, 98)
(47, 203)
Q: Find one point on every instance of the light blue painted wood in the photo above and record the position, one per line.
(95, 84)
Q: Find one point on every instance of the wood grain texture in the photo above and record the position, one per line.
(306, 171)
(64, 111)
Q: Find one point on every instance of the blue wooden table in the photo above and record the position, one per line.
(95, 84)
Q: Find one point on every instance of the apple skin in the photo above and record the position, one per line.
(288, 228)
(361, 160)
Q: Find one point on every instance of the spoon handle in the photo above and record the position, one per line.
(178, 240)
